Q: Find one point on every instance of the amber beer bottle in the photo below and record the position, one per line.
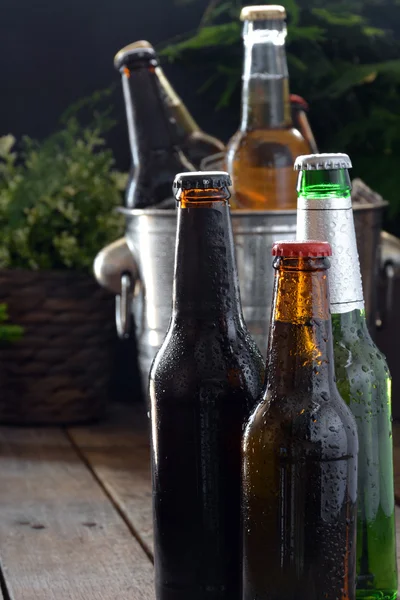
(204, 382)
(156, 154)
(300, 448)
(260, 155)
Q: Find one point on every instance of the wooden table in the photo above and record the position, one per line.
(75, 511)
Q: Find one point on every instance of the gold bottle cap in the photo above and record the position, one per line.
(130, 50)
(139, 44)
(263, 12)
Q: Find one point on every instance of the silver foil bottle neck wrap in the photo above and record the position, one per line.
(332, 221)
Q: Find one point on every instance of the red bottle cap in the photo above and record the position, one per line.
(308, 249)
(299, 101)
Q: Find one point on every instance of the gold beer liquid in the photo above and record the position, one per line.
(260, 156)
(262, 168)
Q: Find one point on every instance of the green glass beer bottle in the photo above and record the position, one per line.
(363, 378)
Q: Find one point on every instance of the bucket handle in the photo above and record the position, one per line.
(388, 275)
(389, 271)
(116, 269)
(123, 301)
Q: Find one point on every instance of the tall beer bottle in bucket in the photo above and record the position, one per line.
(155, 150)
(260, 155)
(300, 448)
(204, 382)
(195, 143)
(362, 374)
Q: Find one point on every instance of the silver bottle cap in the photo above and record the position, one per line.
(322, 162)
(136, 51)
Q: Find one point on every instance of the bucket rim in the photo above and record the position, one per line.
(235, 214)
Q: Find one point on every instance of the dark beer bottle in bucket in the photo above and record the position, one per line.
(155, 151)
(195, 143)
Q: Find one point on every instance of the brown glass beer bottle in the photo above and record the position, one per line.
(204, 382)
(300, 448)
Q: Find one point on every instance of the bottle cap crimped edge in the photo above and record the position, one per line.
(263, 12)
(202, 180)
(301, 249)
(135, 51)
(322, 162)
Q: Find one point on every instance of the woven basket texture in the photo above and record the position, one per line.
(59, 372)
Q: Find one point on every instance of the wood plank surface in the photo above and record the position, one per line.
(119, 454)
(60, 536)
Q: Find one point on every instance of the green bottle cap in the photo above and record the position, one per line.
(322, 162)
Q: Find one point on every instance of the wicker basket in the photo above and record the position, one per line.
(59, 372)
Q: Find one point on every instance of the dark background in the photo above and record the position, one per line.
(54, 53)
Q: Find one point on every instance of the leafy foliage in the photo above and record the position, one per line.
(58, 197)
(341, 59)
(8, 333)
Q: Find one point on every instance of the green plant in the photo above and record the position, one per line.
(341, 59)
(58, 197)
(8, 333)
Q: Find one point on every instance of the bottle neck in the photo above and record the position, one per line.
(324, 212)
(186, 124)
(205, 281)
(300, 351)
(148, 124)
(350, 327)
(156, 155)
(265, 90)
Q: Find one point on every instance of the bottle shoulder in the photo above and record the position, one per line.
(205, 339)
(149, 183)
(193, 356)
(321, 422)
(358, 352)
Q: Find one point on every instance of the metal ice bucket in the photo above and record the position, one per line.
(139, 269)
